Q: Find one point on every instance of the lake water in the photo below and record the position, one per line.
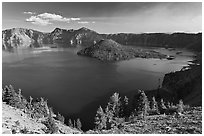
(76, 85)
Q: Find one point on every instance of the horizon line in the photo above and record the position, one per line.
(107, 33)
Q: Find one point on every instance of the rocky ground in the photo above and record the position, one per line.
(109, 50)
(190, 122)
(15, 121)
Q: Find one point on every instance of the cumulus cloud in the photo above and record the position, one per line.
(48, 18)
(30, 13)
(38, 21)
(53, 17)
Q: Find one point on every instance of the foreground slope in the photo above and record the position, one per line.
(190, 122)
(14, 120)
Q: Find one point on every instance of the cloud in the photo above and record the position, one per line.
(83, 22)
(75, 19)
(49, 18)
(38, 21)
(86, 22)
(53, 17)
(30, 13)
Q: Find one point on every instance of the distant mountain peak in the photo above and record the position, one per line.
(84, 29)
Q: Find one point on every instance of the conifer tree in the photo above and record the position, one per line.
(70, 123)
(74, 124)
(60, 117)
(50, 123)
(78, 124)
(125, 108)
(112, 110)
(154, 105)
(30, 100)
(180, 106)
(100, 119)
(114, 104)
(8, 95)
(168, 105)
(19, 95)
(141, 104)
(162, 106)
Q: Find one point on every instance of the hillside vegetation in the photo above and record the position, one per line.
(121, 115)
(20, 115)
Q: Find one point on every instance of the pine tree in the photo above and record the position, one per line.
(125, 112)
(168, 105)
(100, 119)
(112, 110)
(8, 95)
(70, 123)
(74, 124)
(50, 123)
(141, 104)
(109, 117)
(78, 124)
(162, 107)
(19, 95)
(162, 104)
(114, 104)
(180, 107)
(30, 100)
(60, 117)
(154, 105)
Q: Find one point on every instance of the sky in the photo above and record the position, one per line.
(106, 17)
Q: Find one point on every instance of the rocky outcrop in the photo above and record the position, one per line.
(21, 38)
(82, 36)
(109, 50)
(185, 84)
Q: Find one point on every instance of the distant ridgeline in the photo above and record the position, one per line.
(21, 38)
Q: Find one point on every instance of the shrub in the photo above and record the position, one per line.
(24, 130)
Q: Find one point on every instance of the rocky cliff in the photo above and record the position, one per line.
(21, 37)
(185, 84)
